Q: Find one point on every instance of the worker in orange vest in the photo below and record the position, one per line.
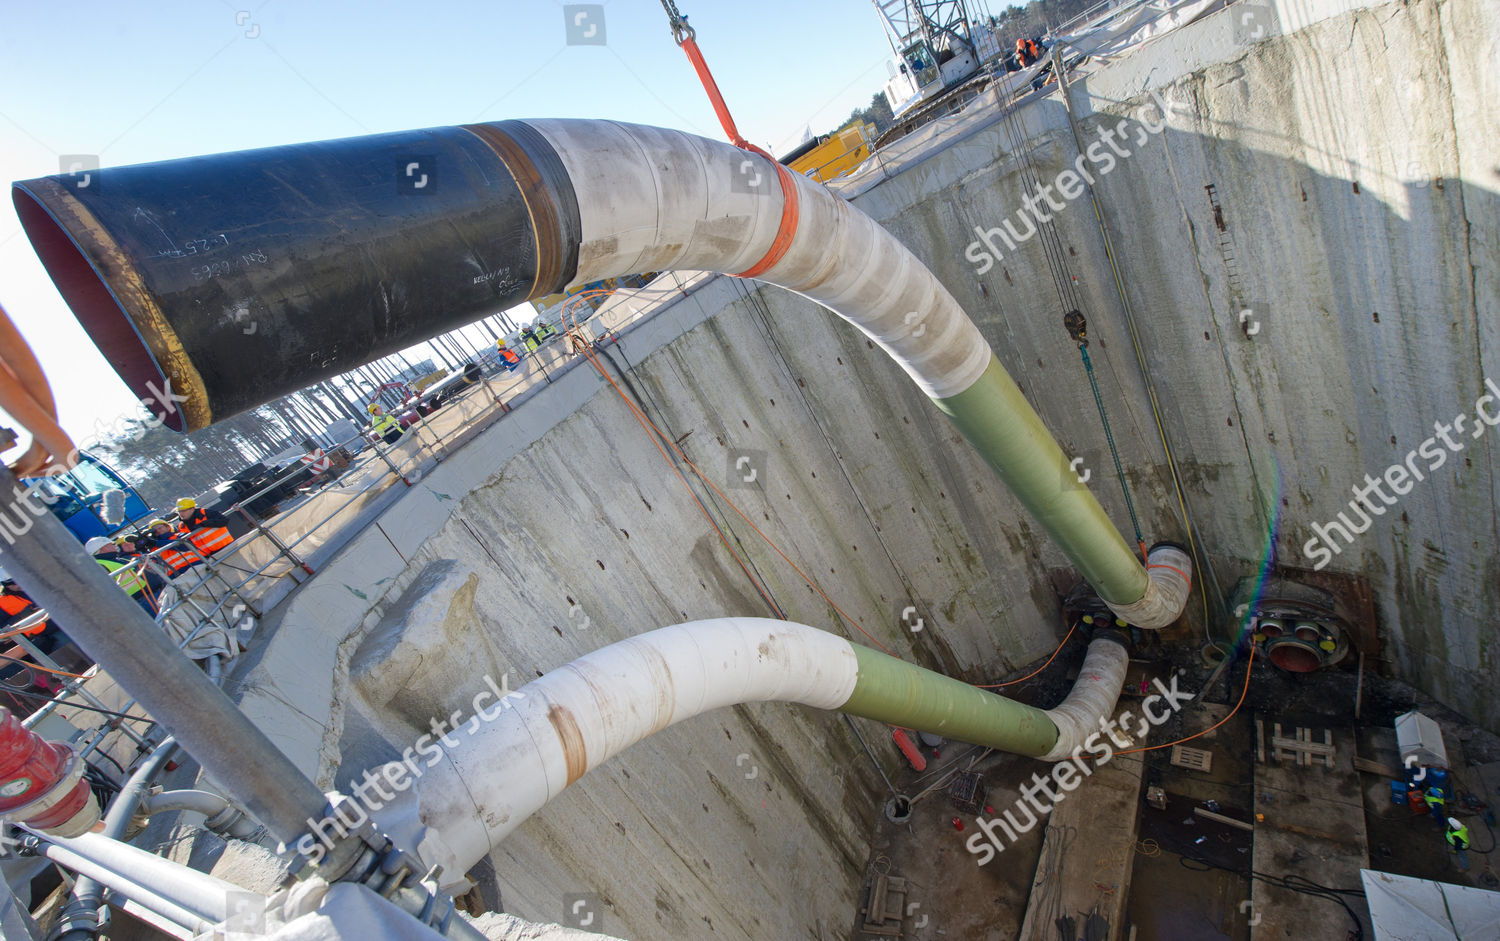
(163, 542)
(1027, 52)
(509, 356)
(206, 531)
(14, 606)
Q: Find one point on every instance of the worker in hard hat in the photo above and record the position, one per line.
(1458, 842)
(142, 586)
(529, 339)
(129, 545)
(508, 356)
(386, 427)
(1027, 52)
(164, 544)
(208, 531)
(1435, 802)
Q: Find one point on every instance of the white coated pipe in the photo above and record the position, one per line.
(652, 199)
(1092, 698)
(515, 756)
(509, 762)
(121, 866)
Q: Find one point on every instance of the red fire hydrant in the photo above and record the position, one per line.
(41, 782)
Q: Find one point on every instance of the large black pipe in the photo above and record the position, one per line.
(217, 273)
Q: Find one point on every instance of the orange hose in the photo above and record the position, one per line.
(1243, 692)
(1038, 669)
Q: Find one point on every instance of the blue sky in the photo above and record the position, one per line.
(139, 81)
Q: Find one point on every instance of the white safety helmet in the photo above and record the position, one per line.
(1453, 822)
(95, 544)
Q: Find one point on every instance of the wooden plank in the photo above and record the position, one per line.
(1377, 767)
(1220, 818)
(1196, 759)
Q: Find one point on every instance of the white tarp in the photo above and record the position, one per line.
(315, 911)
(1133, 27)
(1407, 909)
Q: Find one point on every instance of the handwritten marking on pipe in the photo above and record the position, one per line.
(1254, 915)
(740, 759)
(906, 613)
(919, 319)
(241, 18)
(584, 24)
(1083, 478)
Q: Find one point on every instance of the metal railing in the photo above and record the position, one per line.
(212, 581)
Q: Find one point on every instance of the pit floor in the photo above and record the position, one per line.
(1190, 878)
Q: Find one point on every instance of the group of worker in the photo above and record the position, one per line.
(531, 339)
(174, 546)
(1435, 800)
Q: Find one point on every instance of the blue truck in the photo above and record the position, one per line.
(77, 496)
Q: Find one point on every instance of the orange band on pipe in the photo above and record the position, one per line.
(1170, 568)
(785, 231)
(789, 209)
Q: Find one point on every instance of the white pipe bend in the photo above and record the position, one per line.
(1091, 700)
(1170, 570)
(654, 199)
(514, 758)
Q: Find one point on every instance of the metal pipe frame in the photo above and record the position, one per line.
(49, 563)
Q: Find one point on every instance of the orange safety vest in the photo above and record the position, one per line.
(177, 561)
(16, 605)
(210, 539)
(510, 356)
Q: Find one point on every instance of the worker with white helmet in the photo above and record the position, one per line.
(142, 586)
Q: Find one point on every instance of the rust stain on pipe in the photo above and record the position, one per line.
(571, 740)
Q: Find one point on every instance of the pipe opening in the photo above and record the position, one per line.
(99, 312)
(898, 809)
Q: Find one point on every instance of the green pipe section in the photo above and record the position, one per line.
(899, 693)
(1004, 428)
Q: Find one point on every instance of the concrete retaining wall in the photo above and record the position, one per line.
(1355, 168)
